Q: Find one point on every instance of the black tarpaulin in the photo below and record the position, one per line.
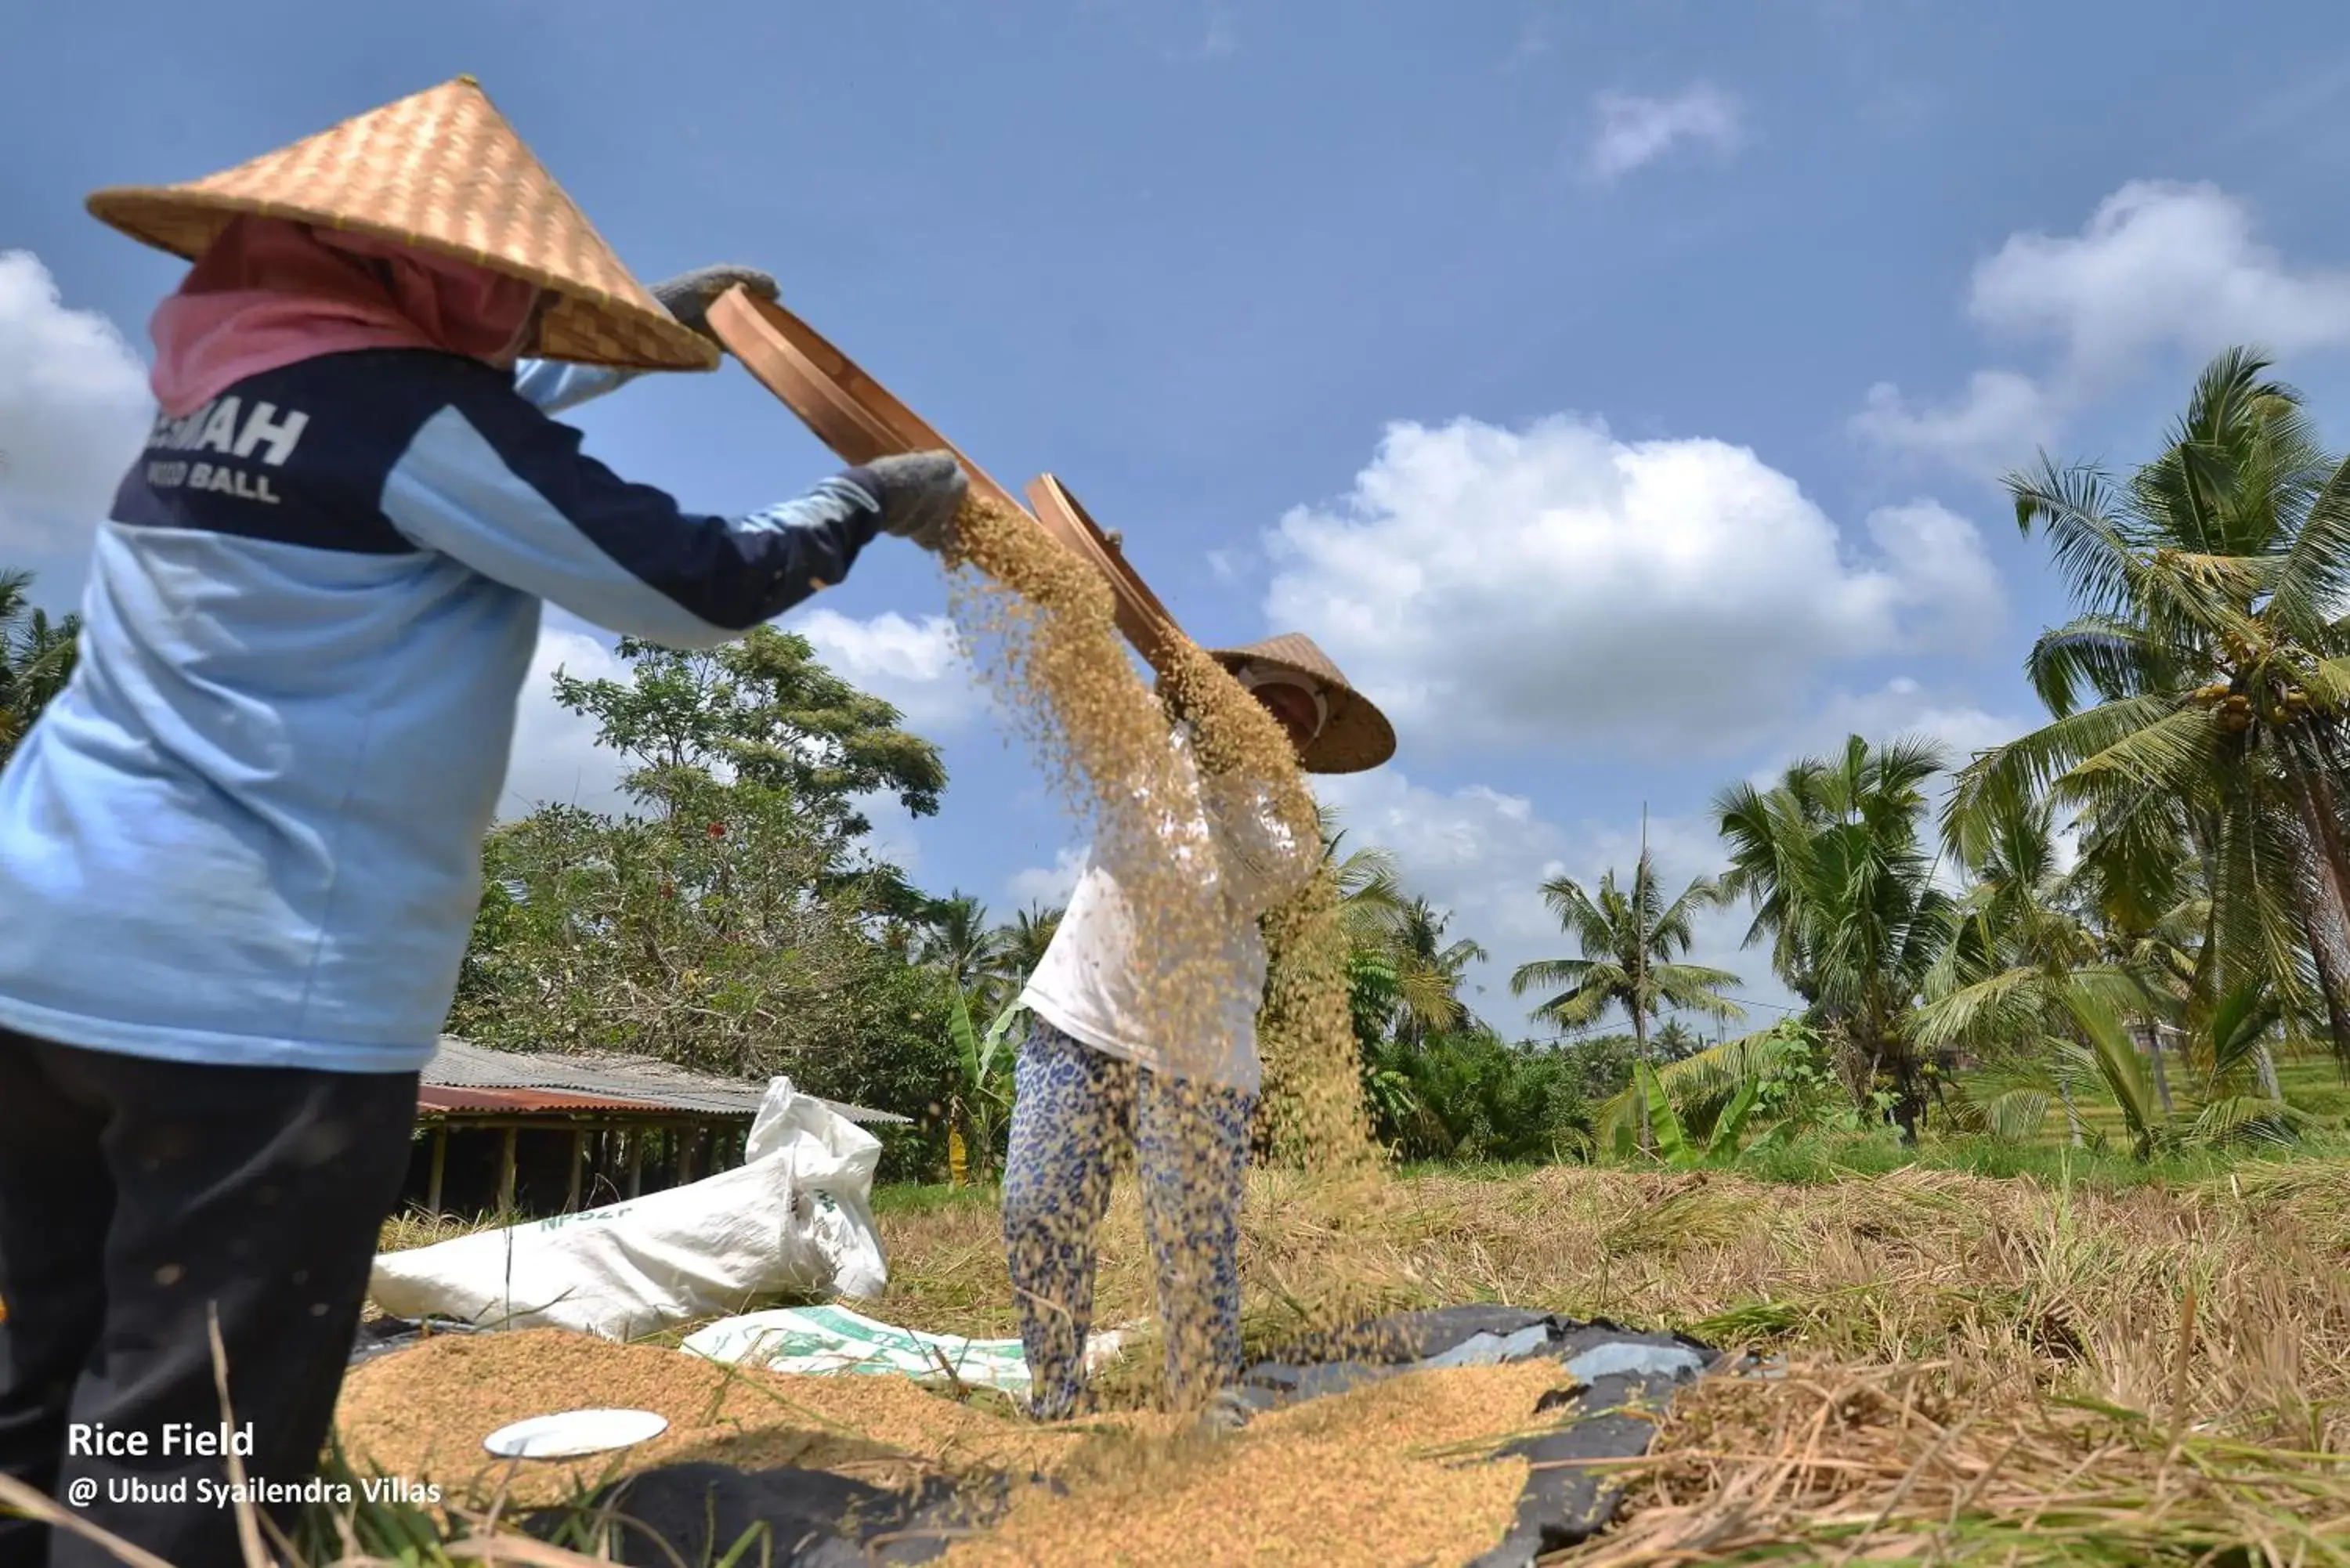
(813, 1519)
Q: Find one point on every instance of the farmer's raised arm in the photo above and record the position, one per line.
(494, 482)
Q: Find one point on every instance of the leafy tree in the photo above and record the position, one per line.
(1631, 940)
(763, 711)
(1833, 860)
(1371, 899)
(1429, 971)
(1675, 1042)
(1472, 1096)
(980, 1113)
(1782, 1078)
(740, 926)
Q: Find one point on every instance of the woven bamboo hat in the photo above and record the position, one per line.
(441, 170)
(1356, 736)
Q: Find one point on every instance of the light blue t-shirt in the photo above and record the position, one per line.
(248, 832)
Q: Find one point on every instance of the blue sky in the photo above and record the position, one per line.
(1618, 389)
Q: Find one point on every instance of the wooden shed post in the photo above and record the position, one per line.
(578, 1165)
(687, 1137)
(635, 1137)
(440, 1169)
(506, 1172)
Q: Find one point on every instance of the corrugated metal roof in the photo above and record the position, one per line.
(636, 1083)
(526, 1102)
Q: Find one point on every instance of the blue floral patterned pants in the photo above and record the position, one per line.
(1074, 1108)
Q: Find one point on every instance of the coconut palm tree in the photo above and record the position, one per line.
(2022, 964)
(2204, 685)
(1430, 972)
(1371, 899)
(1676, 1042)
(1843, 888)
(1630, 942)
(2152, 904)
(961, 944)
(1022, 943)
(37, 657)
(2078, 1008)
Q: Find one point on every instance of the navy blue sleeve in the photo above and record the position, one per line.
(496, 483)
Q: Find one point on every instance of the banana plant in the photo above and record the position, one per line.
(1676, 1145)
(982, 1103)
(1722, 1090)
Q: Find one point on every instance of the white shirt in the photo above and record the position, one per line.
(1088, 985)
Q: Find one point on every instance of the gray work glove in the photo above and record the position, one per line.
(690, 295)
(918, 493)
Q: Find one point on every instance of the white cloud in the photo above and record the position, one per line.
(1998, 422)
(1484, 855)
(896, 837)
(1552, 586)
(1536, 41)
(1224, 38)
(1947, 593)
(1048, 885)
(1634, 131)
(2160, 268)
(1901, 707)
(74, 407)
(2157, 264)
(917, 666)
(555, 757)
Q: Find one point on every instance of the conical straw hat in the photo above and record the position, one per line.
(1357, 736)
(443, 171)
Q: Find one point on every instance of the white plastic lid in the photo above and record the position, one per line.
(574, 1433)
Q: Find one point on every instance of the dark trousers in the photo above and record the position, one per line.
(138, 1199)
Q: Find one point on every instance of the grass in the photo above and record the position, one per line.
(2310, 1082)
(926, 1197)
(2110, 1168)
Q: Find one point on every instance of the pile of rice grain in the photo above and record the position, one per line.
(422, 1413)
(1393, 1473)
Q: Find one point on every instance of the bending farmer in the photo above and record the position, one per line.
(1093, 1077)
(241, 851)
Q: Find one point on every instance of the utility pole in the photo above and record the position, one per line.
(1639, 980)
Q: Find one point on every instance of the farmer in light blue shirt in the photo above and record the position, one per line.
(240, 853)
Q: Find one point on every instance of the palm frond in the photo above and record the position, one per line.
(2247, 1118)
(2117, 1061)
(2095, 552)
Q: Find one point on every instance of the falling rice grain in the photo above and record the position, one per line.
(1039, 625)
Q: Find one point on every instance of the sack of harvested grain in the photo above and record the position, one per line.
(798, 1219)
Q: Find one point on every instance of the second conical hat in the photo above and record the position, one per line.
(443, 171)
(1356, 736)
